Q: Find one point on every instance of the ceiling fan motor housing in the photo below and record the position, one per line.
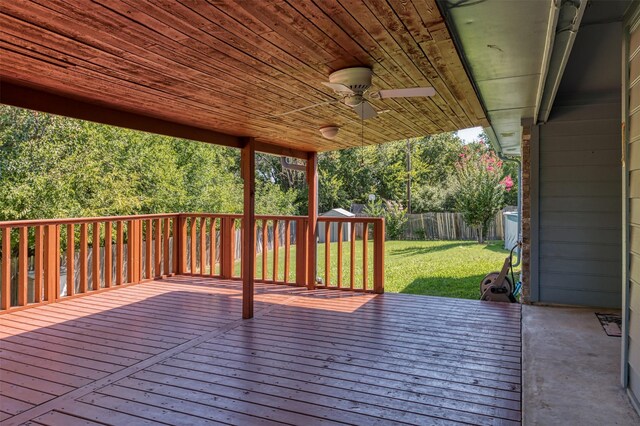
(357, 79)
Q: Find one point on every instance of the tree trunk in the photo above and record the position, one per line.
(480, 234)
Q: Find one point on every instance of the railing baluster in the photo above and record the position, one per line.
(157, 267)
(37, 283)
(71, 259)
(339, 260)
(255, 248)
(57, 254)
(130, 251)
(23, 271)
(365, 255)
(83, 258)
(193, 245)
(352, 271)
(96, 256)
(180, 244)
(287, 250)
(212, 243)
(51, 275)
(166, 246)
(108, 255)
(301, 252)
(265, 248)
(148, 236)
(327, 253)
(276, 237)
(203, 245)
(378, 257)
(158, 249)
(5, 299)
(119, 252)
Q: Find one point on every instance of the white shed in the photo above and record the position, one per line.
(346, 230)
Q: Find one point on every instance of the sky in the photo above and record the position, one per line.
(469, 135)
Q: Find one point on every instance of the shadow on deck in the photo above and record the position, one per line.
(176, 351)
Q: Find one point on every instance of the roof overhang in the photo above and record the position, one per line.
(220, 72)
(507, 47)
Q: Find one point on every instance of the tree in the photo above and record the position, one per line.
(433, 167)
(480, 187)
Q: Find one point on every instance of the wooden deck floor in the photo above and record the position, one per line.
(175, 351)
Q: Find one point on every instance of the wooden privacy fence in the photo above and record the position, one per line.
(43, 261)
(448, 226)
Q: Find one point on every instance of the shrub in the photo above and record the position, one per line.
(479, 188)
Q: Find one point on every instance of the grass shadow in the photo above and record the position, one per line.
(420, 250)
(459, 287)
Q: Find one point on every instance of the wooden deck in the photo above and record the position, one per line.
(176, 351)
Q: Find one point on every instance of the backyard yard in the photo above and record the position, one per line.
(434, 268)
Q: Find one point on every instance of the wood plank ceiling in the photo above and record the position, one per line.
(229, 66)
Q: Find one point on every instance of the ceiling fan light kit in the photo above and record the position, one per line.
(329, 132)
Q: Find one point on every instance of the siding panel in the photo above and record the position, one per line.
(580, 206)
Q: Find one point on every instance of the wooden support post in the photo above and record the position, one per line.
(248, 166)
(378, 257)
(312, 226)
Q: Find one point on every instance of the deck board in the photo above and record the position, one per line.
(176, 351)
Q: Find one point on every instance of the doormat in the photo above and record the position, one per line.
(612, 324)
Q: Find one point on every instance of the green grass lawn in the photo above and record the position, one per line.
(441, 268)
(435, 268)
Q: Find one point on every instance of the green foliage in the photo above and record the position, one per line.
(53, 167)
(374, 208)
(479, 188)
(395, 220)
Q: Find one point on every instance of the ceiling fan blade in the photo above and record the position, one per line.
(411, 92)
(340, 88)
(333, 101)
(365, 111)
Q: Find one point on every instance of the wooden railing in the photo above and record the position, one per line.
(43, 261)
(368, 260)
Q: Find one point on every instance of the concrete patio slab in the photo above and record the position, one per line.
(571, 369)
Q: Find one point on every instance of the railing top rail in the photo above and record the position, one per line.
(358, 219)
(80, 220)
(213, 215)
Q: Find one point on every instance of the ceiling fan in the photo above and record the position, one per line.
(352, 84)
